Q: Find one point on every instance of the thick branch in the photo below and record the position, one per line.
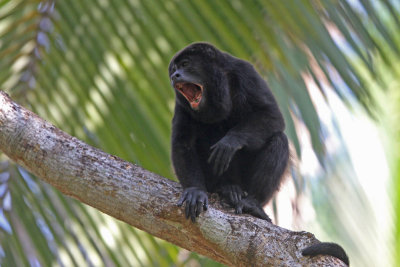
(144, 199)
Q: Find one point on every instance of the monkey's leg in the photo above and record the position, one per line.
(263, 176)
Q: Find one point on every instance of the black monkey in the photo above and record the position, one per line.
(227, 135)
(227, 131)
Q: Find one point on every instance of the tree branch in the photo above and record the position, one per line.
(143, 199)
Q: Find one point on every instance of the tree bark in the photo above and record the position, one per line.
(143, 199)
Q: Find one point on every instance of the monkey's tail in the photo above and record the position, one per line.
(325, 248)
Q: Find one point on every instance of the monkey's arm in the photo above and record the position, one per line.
(187, 167)
(184, 155)
(251, 133)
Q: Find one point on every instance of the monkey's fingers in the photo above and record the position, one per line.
(187, 205)
(196, 200)
(216, 152)
(213, 154)
(233, 197)
(221, 155)
(218, 161)
(223, 161)
(232, 193)
(202, 204)
(239, 192)
(182, 199)
(239, 208)
(205, 206)
(193, 209)
(203, 201)
(227, 160)
(199, 208)
(220, 166)
(214, 146)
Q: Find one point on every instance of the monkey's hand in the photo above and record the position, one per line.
(232, 193)
(222, 153)
(195, 200)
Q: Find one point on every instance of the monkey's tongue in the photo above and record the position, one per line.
(192, 93)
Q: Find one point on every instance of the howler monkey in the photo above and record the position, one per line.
(227, 132)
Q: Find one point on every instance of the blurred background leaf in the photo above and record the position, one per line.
(98, 70)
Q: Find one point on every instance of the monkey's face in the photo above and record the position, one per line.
(185, 76)
(199, 74)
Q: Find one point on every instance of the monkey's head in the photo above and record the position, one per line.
(198, 75)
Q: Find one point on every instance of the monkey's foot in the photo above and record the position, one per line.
(251, 206)
(232, 193)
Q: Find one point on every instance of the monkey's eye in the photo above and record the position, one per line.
(185, 63)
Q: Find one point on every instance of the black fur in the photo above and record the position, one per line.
(326, 248)
(232, 141)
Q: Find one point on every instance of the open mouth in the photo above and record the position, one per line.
(192, 92)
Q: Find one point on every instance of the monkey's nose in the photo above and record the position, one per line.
(175, 75)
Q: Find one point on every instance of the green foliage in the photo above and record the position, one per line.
(98, 70)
